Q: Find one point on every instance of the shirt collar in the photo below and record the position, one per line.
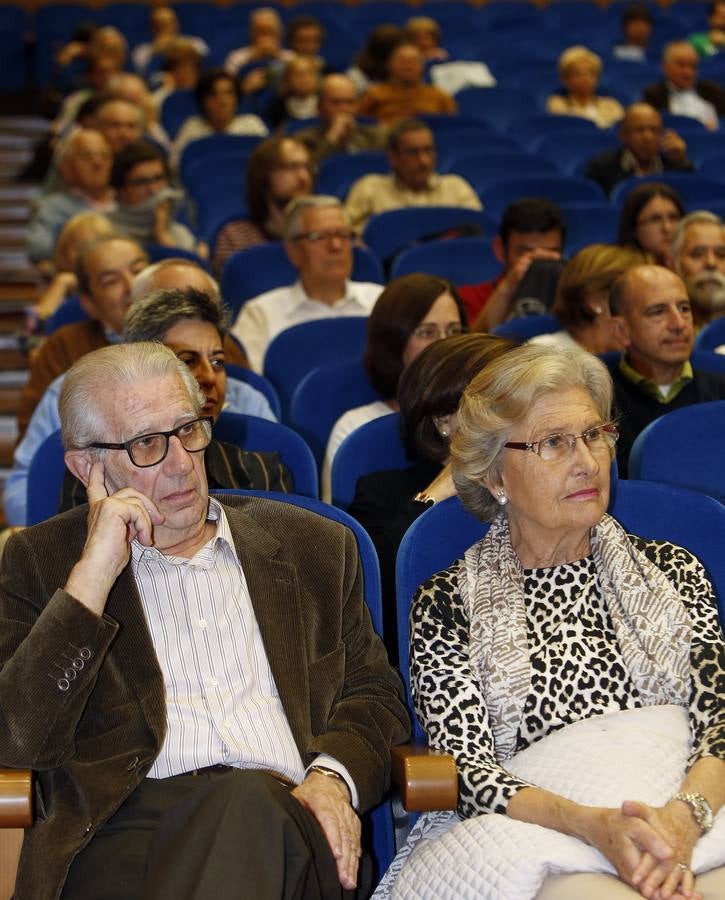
(300, 296)
(205, 556)
(650, 387)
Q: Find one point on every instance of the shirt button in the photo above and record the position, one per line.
(202, 623)
(226, 723)
(214, 681)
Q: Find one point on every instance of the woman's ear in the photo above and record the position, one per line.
(79, 463)
(444, 425)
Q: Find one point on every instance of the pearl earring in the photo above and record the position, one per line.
(502, 498)
(443, 432)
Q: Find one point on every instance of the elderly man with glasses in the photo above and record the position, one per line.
(196, 680)
(318, 241)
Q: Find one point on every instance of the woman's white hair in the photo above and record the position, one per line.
(97, 378)
(500, 397)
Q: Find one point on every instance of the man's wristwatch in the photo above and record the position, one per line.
(701, 809)
(331, 773)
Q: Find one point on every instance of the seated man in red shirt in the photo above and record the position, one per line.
(531, 228)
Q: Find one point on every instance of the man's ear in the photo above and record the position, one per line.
(499, 251)
(620, 330)
(293, 253)
(87, 305)
(79, 463)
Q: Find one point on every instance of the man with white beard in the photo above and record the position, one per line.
(699, 252)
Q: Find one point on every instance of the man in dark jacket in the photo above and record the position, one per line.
(682, 92)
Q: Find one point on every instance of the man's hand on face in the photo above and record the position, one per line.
(521, 267)
(673, 147)
(340, 128)
(113, 522)
(329, 802)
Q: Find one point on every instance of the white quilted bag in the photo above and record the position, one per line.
(638, 754)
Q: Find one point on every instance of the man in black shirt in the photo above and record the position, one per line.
(653, 317)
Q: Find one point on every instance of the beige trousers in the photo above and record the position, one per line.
(588, 886)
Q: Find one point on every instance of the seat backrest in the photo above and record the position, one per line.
(529, 130)
(69, 311)
(695, 190)
(499, 106)
(45, 479)
(337, 173)
(657, 511)
(460, 260)
(373, 447)
(208, 147)
(388, 232)
(481, 168)
(176, 108)
(258, 382)
(300, 349)
(684, 447)
(527, 327)
(323, 395)
(252, 433)
(711, 336)
(558, 188)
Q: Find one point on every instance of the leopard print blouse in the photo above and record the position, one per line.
(577, 668)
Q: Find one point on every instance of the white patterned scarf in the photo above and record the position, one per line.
(650, 621)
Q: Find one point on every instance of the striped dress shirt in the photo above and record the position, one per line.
(222, 703)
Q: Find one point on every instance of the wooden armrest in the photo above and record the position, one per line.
(16, 798)
(427, 779)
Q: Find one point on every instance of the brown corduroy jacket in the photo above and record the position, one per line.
(92, 736)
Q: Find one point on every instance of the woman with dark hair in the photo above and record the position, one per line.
(386, 503)
(649, 218)
(412, 312)
(278, 170)
(218, 96)
(371, 64)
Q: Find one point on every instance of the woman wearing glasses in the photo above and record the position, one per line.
(648, 220)
(574, 671)
(412, 312)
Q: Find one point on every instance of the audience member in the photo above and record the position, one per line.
(653, 316)
(105, 271)
(531, 228)
(121, 122)
(180, 70)
(412, 312)
(404, 93)
(318, 242)
(648, 220)
(165, 30)
(386, 503)
(338, 130)
(84, 163)
(147, 205)
(167, 275)
(682, 92)
(581, 303)
(218, 97)
(79, 231)
(194, 325)
(298, 92)
(371, 64)
(264, 52)
(698, 248)
(413, 180)
(637, 26)
(279, 169)
(646, 149)
(712, 41)
(425, 33)
(305, 35)
(579, 73)
(93, 580)
(132, 88)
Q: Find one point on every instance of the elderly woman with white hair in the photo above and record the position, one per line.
(579, 73)
(575, 672)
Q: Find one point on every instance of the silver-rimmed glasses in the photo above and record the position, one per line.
(599, 439)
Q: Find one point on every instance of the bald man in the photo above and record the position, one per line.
(652, 316)
(647, 149)
(682, 92)
(338, 131)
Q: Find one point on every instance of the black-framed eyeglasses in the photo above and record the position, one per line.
(150, 449)
(431, 332)
(558, 446)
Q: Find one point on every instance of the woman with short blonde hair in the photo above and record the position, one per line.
(579, 72)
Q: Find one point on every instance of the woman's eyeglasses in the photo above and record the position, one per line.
(435, 332)
(555, 447)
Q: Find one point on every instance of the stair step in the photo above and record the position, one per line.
(9, 401)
